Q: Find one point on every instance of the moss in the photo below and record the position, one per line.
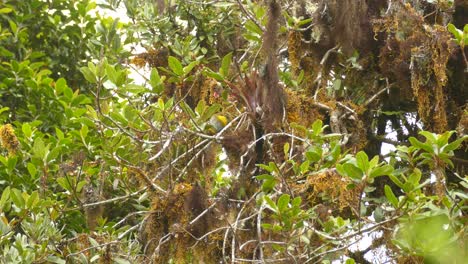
(331, 184)
(171, 215)
(9, 139)
(414, 48)
(295, 50)
(301, 109)
(152, 57)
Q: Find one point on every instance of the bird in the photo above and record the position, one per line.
(217, 123)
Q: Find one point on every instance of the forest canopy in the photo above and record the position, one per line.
(236, 131)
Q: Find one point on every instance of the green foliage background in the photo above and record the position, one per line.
(97, 167)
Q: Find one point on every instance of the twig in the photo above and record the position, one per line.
(128, 231)
(322, 106)
(202, 214)
(242, 8)
(327, 54)
(174, 161)
(93, 247)
(233, 242)
(259, 231)
(148, 181)
(165, 146)
(114, 199)
(128, 216)
(347, 108)
(192, 160)
(386, 88)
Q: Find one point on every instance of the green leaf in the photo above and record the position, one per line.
(54, 153)
(304, 22)
(88, 74)
(442, 140)
(80, 185)
(5, 197)
(265, 177)
(59, 133)
(27, 131)
(277, 247)
(300, 77)
(277, 228)
(111, 74)
(4, 109)
(4, 160)
(118, 117)
(337, 84)
(33, 199)
(378, 215)
(396, 180)
(454, 144)
(269, 182)
(352, 171)
(55, 259)
(415, 177)
(340, 169)
(156, 82)
(313, 156)
(5, 10)
(317, 127)
(32, 169)
(268, 185)
(187, 109)
(175, 66)
(430, 137)
(362, 161)
(189, 68)
(60, 85)
(296, 201)
(39, 149)
(12, 162)
(17, 198)
(390, 196)
(64, 183)
(253, 28)
(286, 148)
(305, 167)
(381, 171)
(373, 162)
(225, 64)
(210, 111)
(134, 88)
(271, 205)
(418, 144)
(84, 131)
(458, 34)
(201, 107)
(121, 261)
(93, 242)
(68, 93)
(408, 187)
(169, 103)
(271, 167)
(13, 26)
(214, 75)
(283, 202)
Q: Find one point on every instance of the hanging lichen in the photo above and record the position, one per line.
(294, 51)
(421, 51)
